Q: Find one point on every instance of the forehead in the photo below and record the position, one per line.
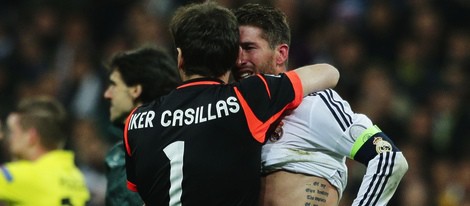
(251, 34)
(12, 119)
(116, 76)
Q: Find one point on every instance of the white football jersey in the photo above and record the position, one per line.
(317, 137)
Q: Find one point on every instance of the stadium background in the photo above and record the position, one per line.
(404, 63)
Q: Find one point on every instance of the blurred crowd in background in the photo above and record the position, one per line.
(404, 63)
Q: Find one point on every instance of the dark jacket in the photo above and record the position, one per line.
(117, 193)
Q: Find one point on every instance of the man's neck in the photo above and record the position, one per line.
(224, 78)
(35, 154)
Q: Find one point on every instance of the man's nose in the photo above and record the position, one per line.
(107, 93)
(240, 59)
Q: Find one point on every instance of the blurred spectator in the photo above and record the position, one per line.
(135, 77)
(410, 70)
(146, 29)
(87, 139)
(378, 98)
(381, 30)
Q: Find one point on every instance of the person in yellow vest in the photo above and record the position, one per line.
(42, 173)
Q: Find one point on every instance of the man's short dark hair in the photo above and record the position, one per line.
(271, 20)
(151, 67)
(208, 37)
(48, 116)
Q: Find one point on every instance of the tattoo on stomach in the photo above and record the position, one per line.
(316, 194)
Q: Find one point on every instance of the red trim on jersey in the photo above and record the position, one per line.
(265, 84)
(198, 83)
(126, 126)
(257, 128)
(131, 186)
(298, 89)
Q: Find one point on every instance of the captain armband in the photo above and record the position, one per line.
(370, 143)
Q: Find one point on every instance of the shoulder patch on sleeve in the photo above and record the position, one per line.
(6, 173)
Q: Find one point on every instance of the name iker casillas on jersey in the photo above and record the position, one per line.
(188, 116)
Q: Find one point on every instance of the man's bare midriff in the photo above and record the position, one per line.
(283, 188)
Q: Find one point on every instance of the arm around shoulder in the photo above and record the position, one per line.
(317, 77)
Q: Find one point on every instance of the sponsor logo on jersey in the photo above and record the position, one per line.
(381, 145)
(277, 134)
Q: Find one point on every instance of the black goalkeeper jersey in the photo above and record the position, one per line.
(201, 144)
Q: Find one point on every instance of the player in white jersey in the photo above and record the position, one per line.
(304, 161)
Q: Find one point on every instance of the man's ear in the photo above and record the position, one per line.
(282, 54)
(180, 58)
(135, 91)
(33, 136)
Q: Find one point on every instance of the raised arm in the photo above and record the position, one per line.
(317, 77)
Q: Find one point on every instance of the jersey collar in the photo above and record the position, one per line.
(201, 81)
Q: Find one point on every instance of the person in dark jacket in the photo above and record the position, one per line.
(135, 77)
